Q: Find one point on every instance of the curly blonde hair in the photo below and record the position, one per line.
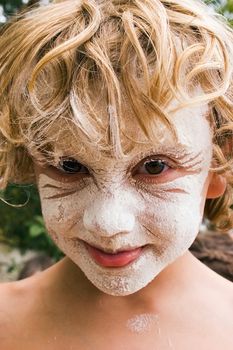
(156, 51)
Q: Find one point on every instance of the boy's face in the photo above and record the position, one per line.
(150, 206)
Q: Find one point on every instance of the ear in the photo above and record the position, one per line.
(217, 186)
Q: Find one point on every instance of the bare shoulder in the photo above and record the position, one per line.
(19, 298)
(224, 301)
(16, 301)
(217, 301)
(10, 298)
(221, 288)
(12, 294)
(221, 311)
(207, 310)
(8, 314)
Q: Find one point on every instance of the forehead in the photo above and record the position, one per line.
(193, 134)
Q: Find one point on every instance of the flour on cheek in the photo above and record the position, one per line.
(164, 218)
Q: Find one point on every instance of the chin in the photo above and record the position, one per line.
(120, 281)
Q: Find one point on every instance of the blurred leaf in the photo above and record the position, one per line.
(36, 230)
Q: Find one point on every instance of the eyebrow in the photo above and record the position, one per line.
(183, 153)
(178, 151)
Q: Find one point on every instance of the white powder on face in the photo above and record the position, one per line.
(120, 221)
(116, 214)
(142, 323)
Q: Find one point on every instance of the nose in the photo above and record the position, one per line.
(106, 217)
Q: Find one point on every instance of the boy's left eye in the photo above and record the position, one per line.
(153, 167)
(71, 166)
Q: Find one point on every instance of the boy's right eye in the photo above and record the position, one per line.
(71, 166)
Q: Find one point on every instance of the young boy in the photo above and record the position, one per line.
(121, 112)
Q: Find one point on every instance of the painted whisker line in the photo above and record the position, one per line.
(193, 161)
(154, 234)
(158, 193)
(162, 193)
(51, 186)
(60, 195)
(193, 168)
(176, 190)
(193, 171)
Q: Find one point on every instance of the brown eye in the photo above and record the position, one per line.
(152, 167)
(155, 167)
(71, 166)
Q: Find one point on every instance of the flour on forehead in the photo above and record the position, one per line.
(135, 140)
(192, 127)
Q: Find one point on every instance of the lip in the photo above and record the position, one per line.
(119, 259)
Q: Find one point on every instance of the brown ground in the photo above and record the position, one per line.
(215, 250)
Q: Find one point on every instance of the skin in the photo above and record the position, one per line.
(61, 308)
(76, 207)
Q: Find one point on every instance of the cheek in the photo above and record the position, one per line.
(172, 223)
(62, 214)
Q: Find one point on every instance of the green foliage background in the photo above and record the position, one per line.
(22, 225)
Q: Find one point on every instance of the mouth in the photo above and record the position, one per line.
(117, 259)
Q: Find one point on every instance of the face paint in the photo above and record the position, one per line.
(143, 323)
(115, 209)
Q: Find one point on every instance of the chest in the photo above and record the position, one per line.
(159, 339)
